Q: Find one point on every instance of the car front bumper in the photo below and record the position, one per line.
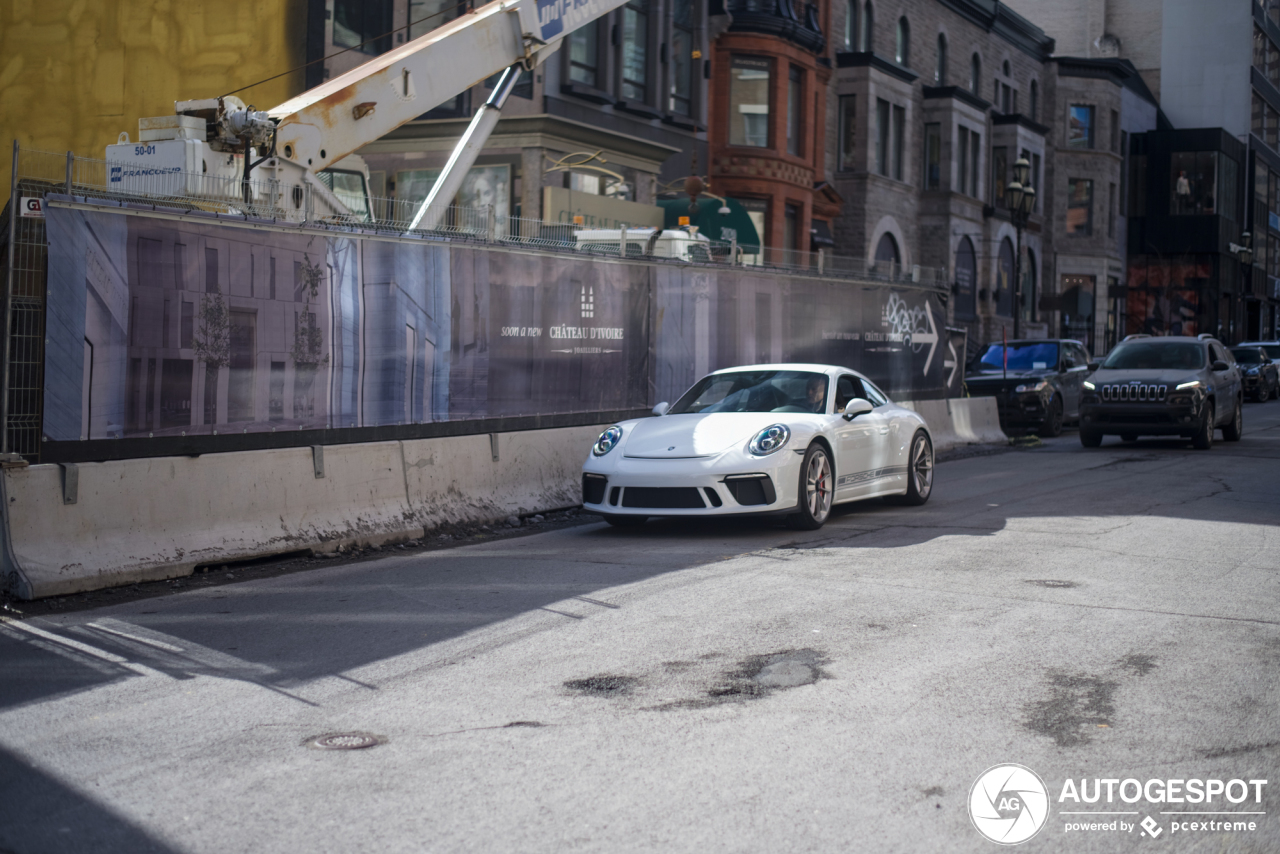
(1144, 419)
(693, 486)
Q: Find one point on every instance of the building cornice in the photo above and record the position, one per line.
(1021, 121)
(869, 59)
(959, 93)
(997, 18)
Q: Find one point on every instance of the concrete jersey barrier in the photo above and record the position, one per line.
(94, 525)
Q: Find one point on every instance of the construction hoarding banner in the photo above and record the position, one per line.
(167, 327)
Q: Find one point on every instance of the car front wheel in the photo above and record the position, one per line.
(1203, 438)
(817, 490)
(1235, 429)
(1052, 424)
(919, 471)
(1090, 438)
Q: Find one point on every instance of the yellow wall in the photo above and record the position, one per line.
(75, 73)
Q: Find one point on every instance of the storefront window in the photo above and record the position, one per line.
(1193, 178)
(749, 101)
(362, 24)
(1080, 127)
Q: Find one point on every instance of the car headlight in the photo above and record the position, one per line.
(1030, 387)
(770, 439)
(1088, 386)
(1188, 384)
(608, 439)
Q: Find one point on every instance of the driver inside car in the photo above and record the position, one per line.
(816, 394)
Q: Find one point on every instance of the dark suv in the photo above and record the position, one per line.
(1037, 384)
(1173, 386)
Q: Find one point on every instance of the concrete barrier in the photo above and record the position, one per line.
(99, 525)
(961, 421)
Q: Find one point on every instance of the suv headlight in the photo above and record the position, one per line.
(1188, 384)
(608, 439)
(1088, 386)
(770, 439)
(1030, 387)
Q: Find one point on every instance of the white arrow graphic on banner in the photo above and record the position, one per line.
(953, 363)
(930, 338)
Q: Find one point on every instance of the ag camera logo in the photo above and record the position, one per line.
(1009, 804)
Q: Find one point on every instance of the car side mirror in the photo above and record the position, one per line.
(661, 408)
(1093, 366)
(856, 407)
(1219, 366)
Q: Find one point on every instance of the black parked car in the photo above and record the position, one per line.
(1174, 386)
(1258, 372)
(1038, 388)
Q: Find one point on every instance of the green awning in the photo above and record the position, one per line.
(710, 222)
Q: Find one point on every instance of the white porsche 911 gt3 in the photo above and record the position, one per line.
(786, 440)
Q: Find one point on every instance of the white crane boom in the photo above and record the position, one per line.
(330, 121)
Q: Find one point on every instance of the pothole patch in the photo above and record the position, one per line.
(760, 675)
(344, 741)
(1051, 582)
(605, 685)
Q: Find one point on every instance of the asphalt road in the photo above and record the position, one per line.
(1106, 614)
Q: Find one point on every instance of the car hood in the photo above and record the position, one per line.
(672, 437)
(1153, 376)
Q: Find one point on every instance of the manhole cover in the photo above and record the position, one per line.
(1051, 582)
(344, 741)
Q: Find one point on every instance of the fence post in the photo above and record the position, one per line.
(822, 256)
(733, 251)
(491, 223)
(70, 166)
(622, 242)
(5, 338)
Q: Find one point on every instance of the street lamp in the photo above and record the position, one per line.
(1020, 198)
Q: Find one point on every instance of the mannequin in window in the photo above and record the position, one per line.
(1182, 192)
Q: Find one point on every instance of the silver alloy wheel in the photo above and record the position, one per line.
(922, 467)
(817, 486)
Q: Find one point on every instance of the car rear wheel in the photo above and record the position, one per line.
(1090, 438)
(1203, 438)
(1052, 424)
(817, 490)
(1235, 429)
(626, 521)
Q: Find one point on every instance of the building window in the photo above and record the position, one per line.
(899, 131)
(1033, 106)
(1035, 180)
(933, 156)
(681, 100)
(749, 102)
(791, 227)
(902, 45)
(1194, 175)
(1228, 188)
(1266, 57)
(584, 55)
(1138, 185)
(882, 137)
(1080, 127)
(887, 251)
(1079, 207)
(848, 118)
(795, 110)
(975, 146)
(363, 24)
(1005, 68)
(999, 171)
(1124, 172)
(426, 15)
(975, 74)
(851, 25)
(1115, 132)
(1111, 210)
(966, 277)
(635, 51)
(868, 24)
(962, 162)
(940, 68)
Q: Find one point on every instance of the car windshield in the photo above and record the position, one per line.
(1152, 356)
(756, 391)
(1036, 356)
(1247, 355)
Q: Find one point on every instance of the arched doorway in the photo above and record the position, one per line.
(887, 260)
(966, 278)
(1004, 279)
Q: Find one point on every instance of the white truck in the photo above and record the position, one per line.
(683, 243)
(221, 149)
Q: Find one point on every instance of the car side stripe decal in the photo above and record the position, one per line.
(873, 474)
